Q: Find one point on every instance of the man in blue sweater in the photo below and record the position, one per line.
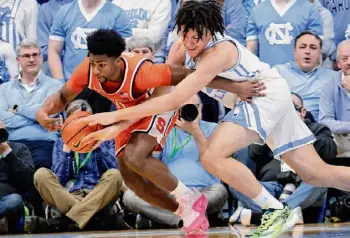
(22, 97)
(304, 75)
(335, 101)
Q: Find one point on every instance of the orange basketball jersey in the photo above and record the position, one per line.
(124, 96)
(140, 76)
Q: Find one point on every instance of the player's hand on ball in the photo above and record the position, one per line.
(105, 134)
(250, 88)
(104, 119)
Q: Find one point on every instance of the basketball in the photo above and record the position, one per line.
(73, 132)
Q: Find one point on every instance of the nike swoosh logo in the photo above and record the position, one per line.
(77, 144)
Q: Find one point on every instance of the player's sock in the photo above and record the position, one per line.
(265, 200)
(180, 190)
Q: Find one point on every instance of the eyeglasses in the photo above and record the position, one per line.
(27, 56)
(297, 108)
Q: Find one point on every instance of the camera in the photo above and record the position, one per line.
(339, 207)
(189, 112)
(4, 135)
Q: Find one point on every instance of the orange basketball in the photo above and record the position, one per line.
(73, 132)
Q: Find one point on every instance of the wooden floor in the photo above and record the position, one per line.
(313, 230)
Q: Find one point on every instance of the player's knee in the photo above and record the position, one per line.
(206, 158)
(41, 175)
(113, 176)
(133, 158)
(140, 191)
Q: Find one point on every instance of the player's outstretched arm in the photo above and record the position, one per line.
(56, 102)
(192, 84)
(245, 90)
(53, 105)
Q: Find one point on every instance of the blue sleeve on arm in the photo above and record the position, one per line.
(57, 29)
(236, 20)
(315, 24)
(122, 25)
(252, 29)
(43, 31)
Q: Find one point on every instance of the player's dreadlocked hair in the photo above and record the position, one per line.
(200, 16)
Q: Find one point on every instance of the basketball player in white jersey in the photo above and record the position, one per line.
(271, 119)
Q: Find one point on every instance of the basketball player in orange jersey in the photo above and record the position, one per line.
(127, 80)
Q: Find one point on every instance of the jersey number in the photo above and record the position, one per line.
(161, 125)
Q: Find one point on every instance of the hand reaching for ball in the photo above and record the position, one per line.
(105, 134)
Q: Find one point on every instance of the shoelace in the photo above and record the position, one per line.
(263, 226)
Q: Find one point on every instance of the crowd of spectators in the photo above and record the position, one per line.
(46, 187)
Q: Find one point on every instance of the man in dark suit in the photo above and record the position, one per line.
(16, 176)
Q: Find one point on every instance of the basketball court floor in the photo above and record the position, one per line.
(306, 231)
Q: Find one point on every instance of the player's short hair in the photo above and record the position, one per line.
(106, 42)
(307, 33)
(201, 16)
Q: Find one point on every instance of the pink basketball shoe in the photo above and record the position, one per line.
(194, 212)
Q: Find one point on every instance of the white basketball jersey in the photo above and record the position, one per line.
(247, 67)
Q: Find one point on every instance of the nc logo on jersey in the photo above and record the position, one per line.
(279, 34)
(78, 37)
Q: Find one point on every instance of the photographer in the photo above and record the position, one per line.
(280, 180)
(181, 155)
(79, 185)
(16, 176)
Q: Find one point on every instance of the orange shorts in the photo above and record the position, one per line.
(158, 126)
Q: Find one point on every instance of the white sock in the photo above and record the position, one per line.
(246, 215)
(265, 200)
(180, 190)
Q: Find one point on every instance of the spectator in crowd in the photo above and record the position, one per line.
(47, 12)
(335, 101)
(16, 176)
(18, 20)
(148, 18)
(273, 26)
(72, 24)
(235, 19)
(79, 184)
(328, 45)
(8, 63)
(181, 155)
(305, 76)
(341, 13)
(141, 45)
(276, 176)
(22, 97)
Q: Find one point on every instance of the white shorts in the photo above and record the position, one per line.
(273, 116)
